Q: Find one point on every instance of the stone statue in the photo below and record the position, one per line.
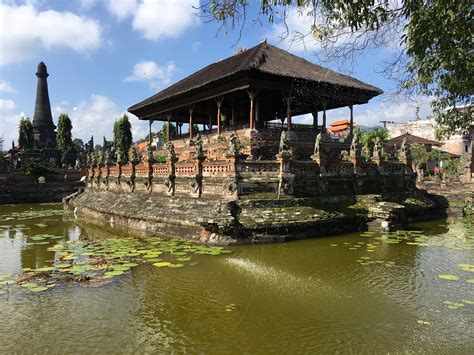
(377, 153)
(284, 147)
(405, 151)
(355, 150)
(233, 144)
(150, 160)
(198, 146)
(172, 176)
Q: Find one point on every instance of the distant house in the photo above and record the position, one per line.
(457, 144)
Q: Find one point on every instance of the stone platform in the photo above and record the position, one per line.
(258, 218)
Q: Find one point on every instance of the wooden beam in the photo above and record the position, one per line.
(288, 112)
(324, 118)
(149, 132)
(168, 117)
(252, 94)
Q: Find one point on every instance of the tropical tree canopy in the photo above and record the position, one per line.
(435, 55)
(123, 137)
(25, 132)
(64, 137)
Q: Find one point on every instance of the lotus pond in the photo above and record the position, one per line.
(71, 287)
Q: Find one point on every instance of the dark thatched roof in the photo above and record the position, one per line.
(263, 61)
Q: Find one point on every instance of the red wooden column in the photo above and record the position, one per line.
(150, 122)
(352, 119)
(191, 122)
(219, 100)
(288, 112)
(168, 117)
(315, 120)
(252, 94)
(324, 118)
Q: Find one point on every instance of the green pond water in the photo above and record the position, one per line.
(102, 290)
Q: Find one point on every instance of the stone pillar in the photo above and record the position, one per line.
(150, 139)
(168, 131)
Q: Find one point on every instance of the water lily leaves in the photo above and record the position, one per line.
(230, 307)
(470, 281)
(41, 225)
(39, 289)
(175, 266)
(183, 259)
(466, 267)
(162, 264)
(449, 277)
(29, 285)
(62, 266)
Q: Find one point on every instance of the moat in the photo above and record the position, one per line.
(360, 292)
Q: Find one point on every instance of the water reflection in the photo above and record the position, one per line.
(349, 293)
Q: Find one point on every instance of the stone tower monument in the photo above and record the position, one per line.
(43, 126)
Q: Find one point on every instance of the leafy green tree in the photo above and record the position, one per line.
(123, 137)
(420, 154)
(367, 138)
(25, 132)
(165, 131)
(435, 55)
(64, 138)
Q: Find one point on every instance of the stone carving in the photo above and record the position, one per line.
(284, 148)
(233, 145)
(405, 152)
(355, 150)
(170, 183)
(317, 145)
(198, 146)
(150, 159)
(377, 153)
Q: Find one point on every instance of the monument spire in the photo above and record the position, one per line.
(43, 126)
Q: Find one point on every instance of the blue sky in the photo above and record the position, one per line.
(103, 56)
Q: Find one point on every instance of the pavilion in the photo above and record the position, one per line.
(252, 88)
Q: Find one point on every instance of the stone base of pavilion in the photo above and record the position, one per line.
(271, 188)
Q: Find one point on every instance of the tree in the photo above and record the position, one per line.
(172, 130)
(25, 132)
(64, 138)
(367, 138)
(123, 137)
(435, 55)
(420, 154)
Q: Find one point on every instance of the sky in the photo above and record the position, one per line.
(105, 55)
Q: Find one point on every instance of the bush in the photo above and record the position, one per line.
(38, 167)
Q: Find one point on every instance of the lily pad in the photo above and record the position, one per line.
(39, 289)
(162, 264)
(449, 277)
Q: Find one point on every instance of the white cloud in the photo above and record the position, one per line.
(149, 71)
(25, 30)
(6, 87)
(399, 109)
(7, 105)
(96, 116)
(156, 19)
(121, 8)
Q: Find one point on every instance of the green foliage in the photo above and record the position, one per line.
(452, 169)
(164, 130)
(123, 137)
(435, 58)
(420, 154)
(160, 159)
(367, 138)
(64, 137)
(25, 132)
(38, 167)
